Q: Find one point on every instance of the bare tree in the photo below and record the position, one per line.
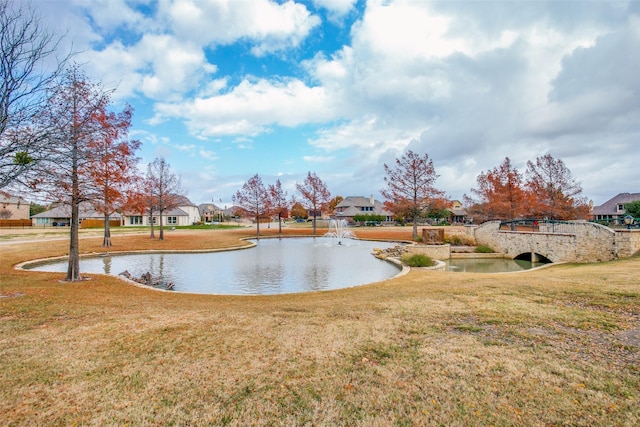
(25, 47)
(410, 186)
(314, 192)
(279, 202)
(71, 117)
(164, 188)
(254, 200)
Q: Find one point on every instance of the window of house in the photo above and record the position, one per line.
(620, 207)
(135, 220)
(172, 220)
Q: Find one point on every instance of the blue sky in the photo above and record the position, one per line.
(225, 89)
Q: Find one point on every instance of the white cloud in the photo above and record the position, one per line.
(110, 14)
(318, 159)
(250, 107)
(466, 82)
(336, 9)
(208, 154)
(268, 25)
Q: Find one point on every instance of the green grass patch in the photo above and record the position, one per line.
(418, 260)
(484, 249)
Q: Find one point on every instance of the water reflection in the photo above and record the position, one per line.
(487, 265)
(274, 266)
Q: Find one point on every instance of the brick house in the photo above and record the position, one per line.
(12, 207)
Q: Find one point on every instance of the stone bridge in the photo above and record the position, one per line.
(567, 242)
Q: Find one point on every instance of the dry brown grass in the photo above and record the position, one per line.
(557, 346)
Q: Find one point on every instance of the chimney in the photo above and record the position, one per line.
(371, 200)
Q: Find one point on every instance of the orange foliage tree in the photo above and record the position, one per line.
(555, 192)
(297, 210)
(500, 194)
(113, 164)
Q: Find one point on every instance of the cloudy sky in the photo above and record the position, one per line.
(225, 89)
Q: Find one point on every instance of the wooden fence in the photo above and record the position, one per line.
(99, 223)
(15, 223)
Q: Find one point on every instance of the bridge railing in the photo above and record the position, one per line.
(533, 225)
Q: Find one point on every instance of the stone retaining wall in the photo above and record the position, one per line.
(432, 251)
(627, 243)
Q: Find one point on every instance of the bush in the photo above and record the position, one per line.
(418, 260)
(484, 249)
(459, 240)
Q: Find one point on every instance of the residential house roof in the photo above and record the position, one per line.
(182, 200)
(358, 205)
(208, 207)
(610, 207)
(64, 211)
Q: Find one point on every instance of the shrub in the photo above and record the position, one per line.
(459, 240)
(484, 249)
(418, 260)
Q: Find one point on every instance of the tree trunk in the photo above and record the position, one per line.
(73, 269)
(106, 242)
(314, 221)
(161, 237)
(258, 226)
(414, 232)
(153, 236)
(279, 223)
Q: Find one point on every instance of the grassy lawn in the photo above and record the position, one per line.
(557, 346)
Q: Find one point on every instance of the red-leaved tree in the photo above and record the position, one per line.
(71, 117)
(113, 165)
(279, 203)
(314, 194)
(500, 194)
(555, 192)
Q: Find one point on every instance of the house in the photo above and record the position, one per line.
(12, 207)
(210, 212)
(60, 215)
(185, 213)
(357, 205)
(458, 213)
(612, 211)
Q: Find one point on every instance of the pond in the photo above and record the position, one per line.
(487, 265)
(273, 266)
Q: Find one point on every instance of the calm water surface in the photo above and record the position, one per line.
(274, 266)
(487, 265)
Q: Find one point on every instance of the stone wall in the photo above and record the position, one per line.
(627, 242)
(441, 252)
(586, 242)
